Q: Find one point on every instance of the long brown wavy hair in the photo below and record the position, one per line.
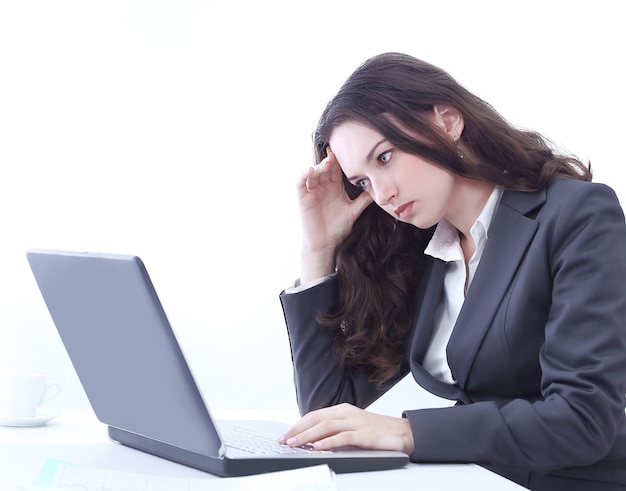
(379, 264)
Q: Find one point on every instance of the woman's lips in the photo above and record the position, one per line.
(404, 210)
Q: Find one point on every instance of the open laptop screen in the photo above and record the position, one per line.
(122, 347)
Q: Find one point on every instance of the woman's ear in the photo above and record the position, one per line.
(450, 120)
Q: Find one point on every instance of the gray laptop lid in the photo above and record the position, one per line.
(108, 315)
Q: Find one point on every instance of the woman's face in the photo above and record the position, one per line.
(406, 186)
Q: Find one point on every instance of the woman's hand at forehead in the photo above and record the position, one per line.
(327, 215)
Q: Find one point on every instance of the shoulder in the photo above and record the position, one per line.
(562, 194)
(568, 187)
(571, 195)
(580, 215)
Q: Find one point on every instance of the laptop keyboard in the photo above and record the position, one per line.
(259, 443)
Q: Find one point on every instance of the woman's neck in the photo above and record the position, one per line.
(469, 200)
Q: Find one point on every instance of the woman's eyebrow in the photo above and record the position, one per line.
(369, 155)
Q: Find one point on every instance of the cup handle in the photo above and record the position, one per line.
(52, 391)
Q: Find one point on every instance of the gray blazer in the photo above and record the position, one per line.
(538, 350)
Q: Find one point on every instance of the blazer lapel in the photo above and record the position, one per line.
(510, 234)
(428, 298)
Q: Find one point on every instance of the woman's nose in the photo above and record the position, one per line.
(384, 191)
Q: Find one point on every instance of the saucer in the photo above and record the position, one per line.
(41, 417)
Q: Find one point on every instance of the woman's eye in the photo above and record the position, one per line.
(385, 157)
(362, 183)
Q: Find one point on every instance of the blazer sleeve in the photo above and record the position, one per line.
(576, 419)
(319, 380)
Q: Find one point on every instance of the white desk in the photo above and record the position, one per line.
(77, 437)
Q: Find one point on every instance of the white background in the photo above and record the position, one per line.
(175, 130)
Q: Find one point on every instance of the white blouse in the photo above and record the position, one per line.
(446, 245)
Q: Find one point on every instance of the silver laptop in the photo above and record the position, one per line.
(137, 380)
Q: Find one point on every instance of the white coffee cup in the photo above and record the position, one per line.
(22, 394)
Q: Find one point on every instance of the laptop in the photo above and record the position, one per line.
(139, 384)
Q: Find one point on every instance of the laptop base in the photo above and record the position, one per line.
(255, 464)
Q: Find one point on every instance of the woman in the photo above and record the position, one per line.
(440, 240)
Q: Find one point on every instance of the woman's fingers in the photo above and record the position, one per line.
(335, 169)
(317, 424)
(322, 171)
(361, 202)
(346, 425)
(327, 171)
(322, 435)
(301, 183)
(312, 177)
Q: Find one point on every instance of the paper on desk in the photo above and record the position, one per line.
(57, 475)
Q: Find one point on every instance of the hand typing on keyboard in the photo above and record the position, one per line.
(256, 442)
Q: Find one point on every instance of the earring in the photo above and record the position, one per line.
(458, 149)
